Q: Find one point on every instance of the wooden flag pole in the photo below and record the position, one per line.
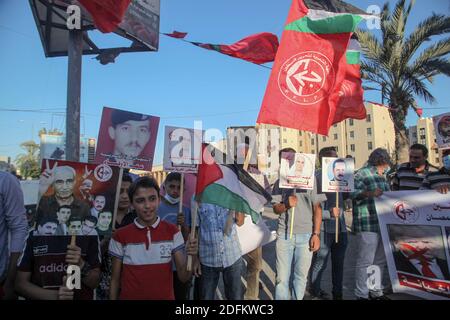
(116, 200)
(192, 234)
(337, 218)
(180, 204)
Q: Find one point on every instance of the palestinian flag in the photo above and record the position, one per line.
(351, 93)
(258, 48)
(229, 186)
(310, 66)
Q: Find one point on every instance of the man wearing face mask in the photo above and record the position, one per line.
(168, 211)
(370, 183)
(410, 175)
(440, 180)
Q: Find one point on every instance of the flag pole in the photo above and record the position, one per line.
(292, 222)
(180, 204)
(337, 218)
(116, 200)
(192, 234)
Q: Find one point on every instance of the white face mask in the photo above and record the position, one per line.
(170, 199)
(446, 161)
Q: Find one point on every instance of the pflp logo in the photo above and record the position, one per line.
(306, 77)
(103, 172)
(405, 212)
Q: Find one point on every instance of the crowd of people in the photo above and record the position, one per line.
(147, 255)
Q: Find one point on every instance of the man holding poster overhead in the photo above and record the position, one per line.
(305, 205)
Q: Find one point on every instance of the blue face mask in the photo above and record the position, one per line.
(446, 161)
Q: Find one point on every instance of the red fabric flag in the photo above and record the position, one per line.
(419, 112)
(208, 171)
(310, 67)
(258, 48)
(107, 14)
(177, 35)
(351, 101)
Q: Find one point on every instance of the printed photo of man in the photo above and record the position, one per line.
(444, 127)
(88, 227)
(74, 225)
(63, 215)
(104, 223)
(98, 205)
(46, 226)
(419, 250)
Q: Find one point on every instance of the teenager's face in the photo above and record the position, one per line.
(87, 227)
(416, 158)
(173, 188)
(339, 171)
(146, 202)
(130, 137)
(99, 203)
(48, 229)
(75, 227)
(124, 200)
(63, 215)
(104, 219)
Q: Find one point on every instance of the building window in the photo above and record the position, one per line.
(312, 142)
(352, 147)
(415, 135)
(368, 118)
(351, 122)
(369, 145)
(352, 134)
(301, 143)
(324, 138)
(369, 131)
(337, 148)
(335, 125)
(437, 160)
(313, 151)
(335, 136)
(284, 140)
(301, 133)
(284, 129)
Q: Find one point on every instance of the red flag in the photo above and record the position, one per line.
(351, 101)
(208, 171)
(107, 14)
(310, 66)
(258, 48)
(177, 35)
(419, 112)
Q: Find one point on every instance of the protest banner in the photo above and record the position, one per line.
(79, 196)
(442, 129)
(127, 139)
(297, 170)
(415, 228)
(337, 174)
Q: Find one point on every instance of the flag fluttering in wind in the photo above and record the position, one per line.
(258, 48)
(176, 34)
(305, 86)
(107, 14)
(229, 186)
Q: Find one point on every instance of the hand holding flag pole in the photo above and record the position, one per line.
(337, 218)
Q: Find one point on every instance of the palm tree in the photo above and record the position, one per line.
(400, 68)
(29, 162)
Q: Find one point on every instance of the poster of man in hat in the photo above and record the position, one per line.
(127, 139)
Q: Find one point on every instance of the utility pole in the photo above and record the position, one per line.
(75, 54)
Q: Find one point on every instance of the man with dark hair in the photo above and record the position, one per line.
(46, 226)
(339, 168)
(125, 215)
(98, 205)
(88, 227)
(144, 250)
(74, 225)
(130, 132)
(328, 244)
(63, 215)
(410, 175)
(370, 183)
(439, 180)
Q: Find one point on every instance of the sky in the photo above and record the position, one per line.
(180, 83)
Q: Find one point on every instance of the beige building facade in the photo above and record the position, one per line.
(424, 133)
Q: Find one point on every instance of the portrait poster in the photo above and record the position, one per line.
(338, 174)
(182, 149)
(76, 198)
(442, 129)
(297, 170)
(127, 139)
(415, 229)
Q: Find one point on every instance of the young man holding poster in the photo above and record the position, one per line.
(370, 183)
(305, 239)
(144, 250)
(328, 243)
